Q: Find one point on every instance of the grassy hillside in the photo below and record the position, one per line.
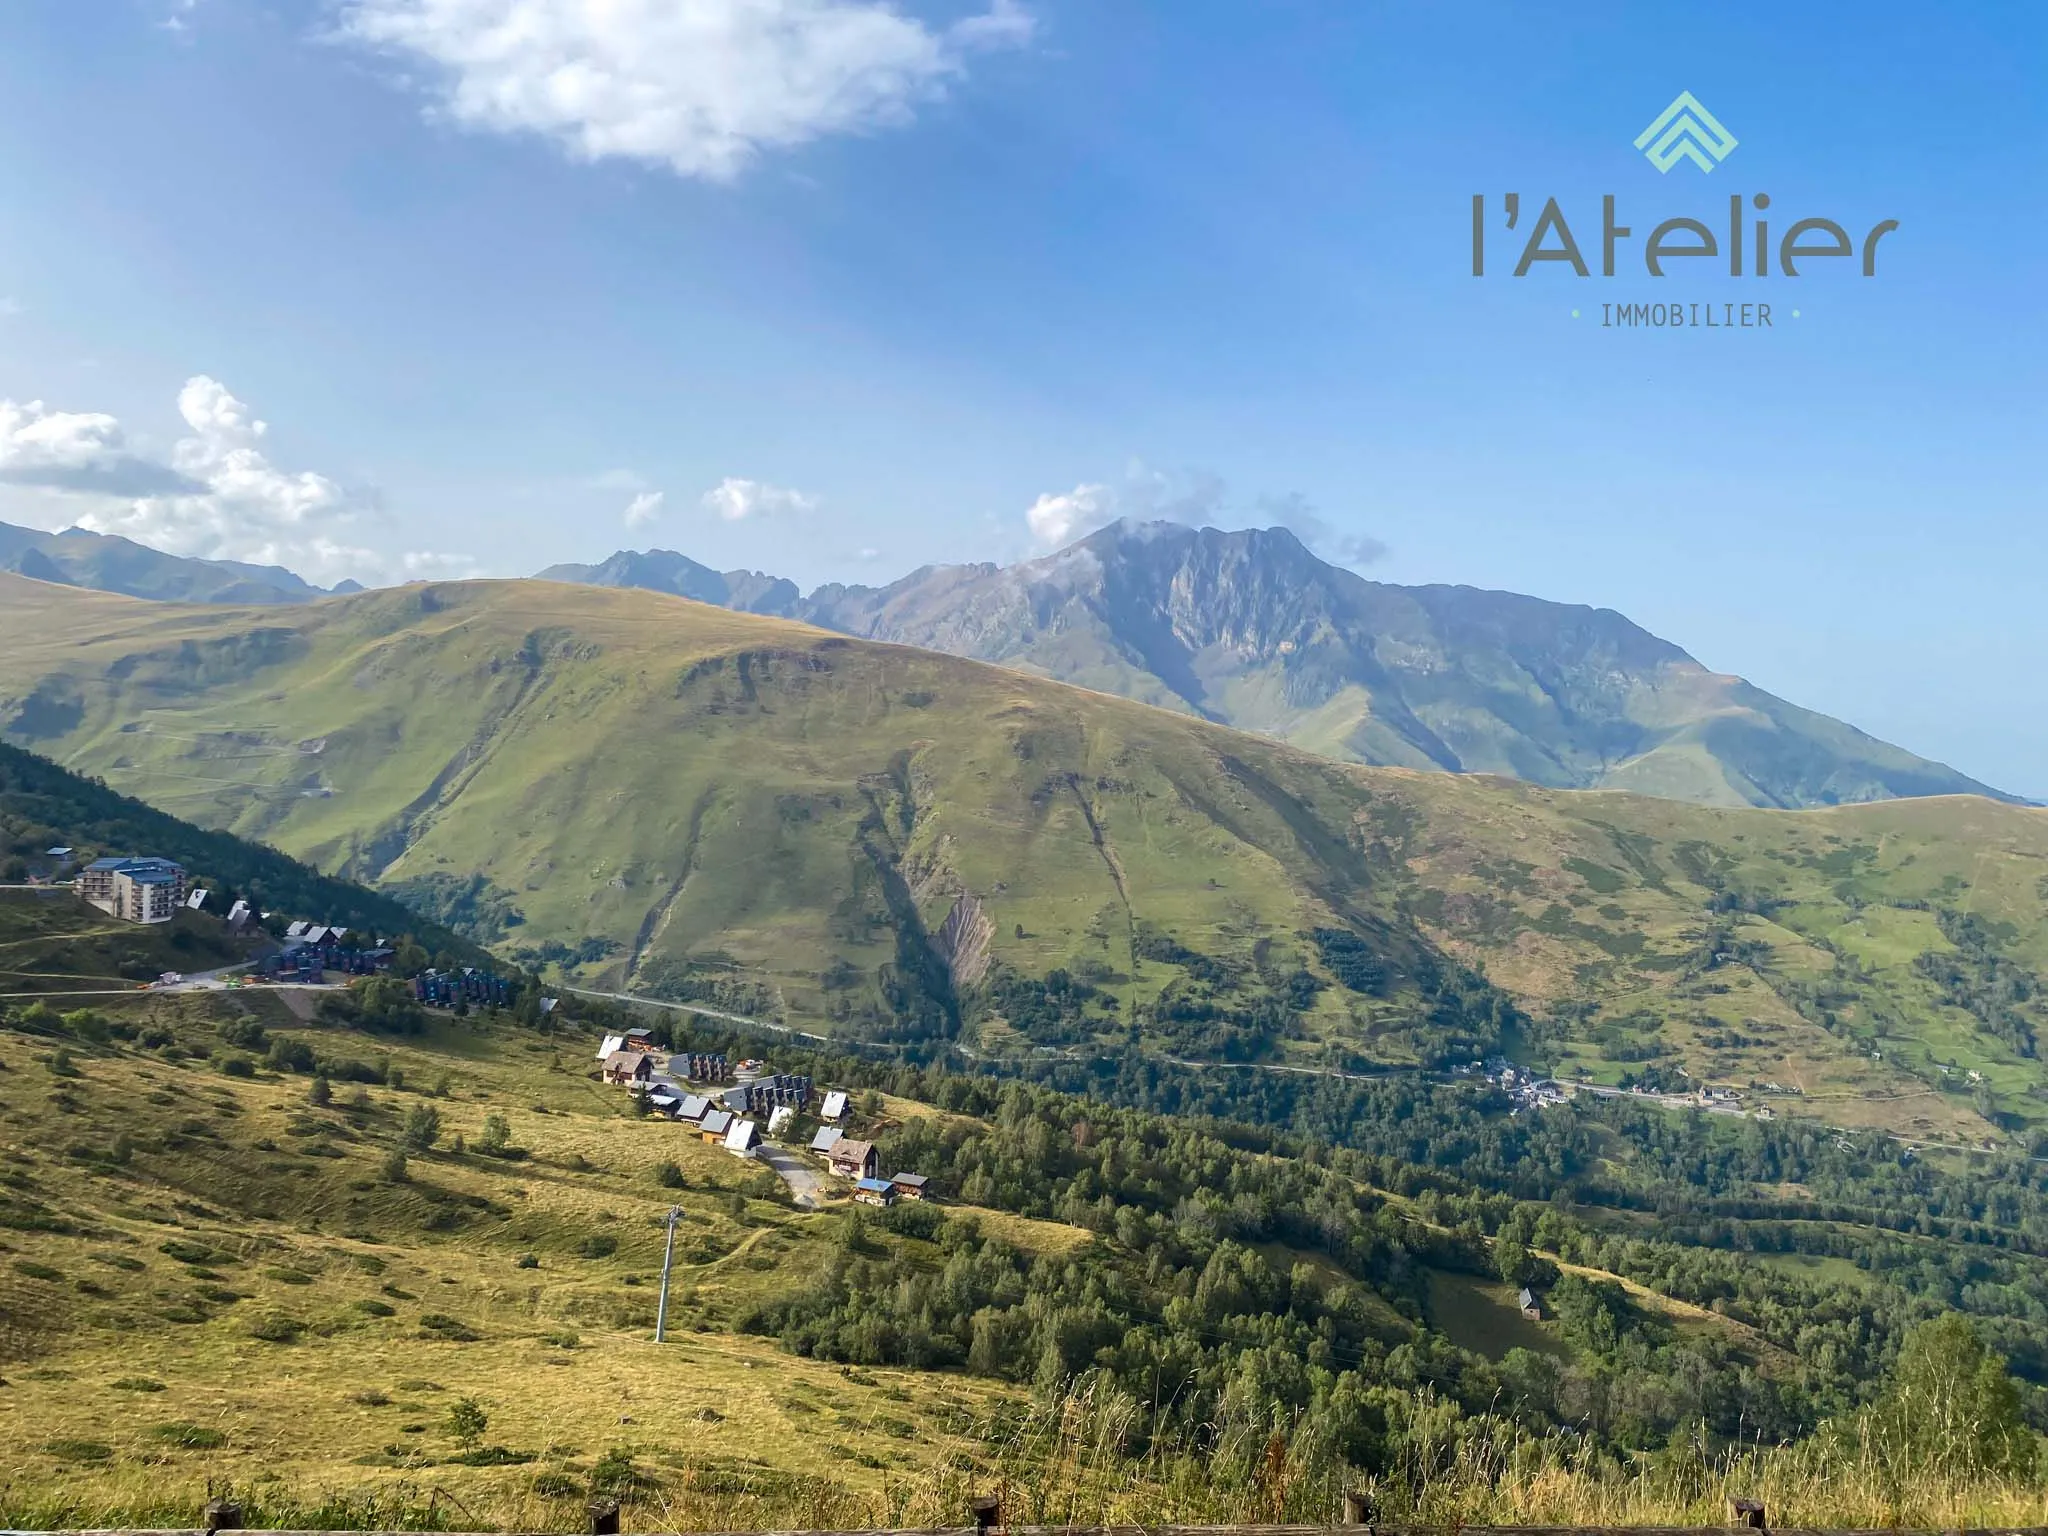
(208, 1277)
(43, 805)
(245, 1246)
(896, 844)
(52, 942)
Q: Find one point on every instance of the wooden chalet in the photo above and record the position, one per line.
(852, 1159)
(628, 1067)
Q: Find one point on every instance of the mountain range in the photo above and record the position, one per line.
(892, 843)
(1250, 629)
(104, 562)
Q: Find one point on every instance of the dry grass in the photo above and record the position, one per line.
(352, 1414)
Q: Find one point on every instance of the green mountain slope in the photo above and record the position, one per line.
(44, 806)
(1252, 630)
(892, 843)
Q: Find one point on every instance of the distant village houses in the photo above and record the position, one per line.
(136, 890)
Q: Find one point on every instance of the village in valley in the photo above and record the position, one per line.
(747, 1109)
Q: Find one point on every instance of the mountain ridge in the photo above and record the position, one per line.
(104, 562)
(1250, 629)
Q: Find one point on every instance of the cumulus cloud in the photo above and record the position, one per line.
(81, 451)
(701, 88)
(1060, 516)
(1143, 495)
(218, 495)
(736, 500)
(644, 508)
(1194, 498)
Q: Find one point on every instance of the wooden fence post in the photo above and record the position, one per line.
(604, 1517)
(1747, 1512)
(221, 1515)
(987, 1511)
(1358, 1508)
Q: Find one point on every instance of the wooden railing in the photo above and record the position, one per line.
(222, 1517)
(1207, 1530)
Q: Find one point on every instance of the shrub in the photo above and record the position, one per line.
(136, 1384)
(422, 1127)
(527, 1261)
(557, 1485)
(79, 1450)
(599, 1245)
(441, 1326)
(185, 1251)
(190, 1437)
(277, 1329)
(668, 1176)
(370, 1306)
(320, 1092)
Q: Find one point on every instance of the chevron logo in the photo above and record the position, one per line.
(1685, 130)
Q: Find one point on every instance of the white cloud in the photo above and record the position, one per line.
(217, 497)
(1192, 497)
(644, 508)
(699, 86)
(1057, 518)
(736, 500)
(84, 451)
(1143, 495)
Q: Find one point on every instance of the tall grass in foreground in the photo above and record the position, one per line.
(1071, 1461)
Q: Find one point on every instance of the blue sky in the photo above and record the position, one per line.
(835, 291)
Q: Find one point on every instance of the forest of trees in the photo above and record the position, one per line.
(1277, 1274)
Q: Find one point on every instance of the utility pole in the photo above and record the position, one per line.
(668, 1257)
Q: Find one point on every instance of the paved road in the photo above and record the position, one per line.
(804, 1181)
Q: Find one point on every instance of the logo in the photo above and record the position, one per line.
(1685, 130)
